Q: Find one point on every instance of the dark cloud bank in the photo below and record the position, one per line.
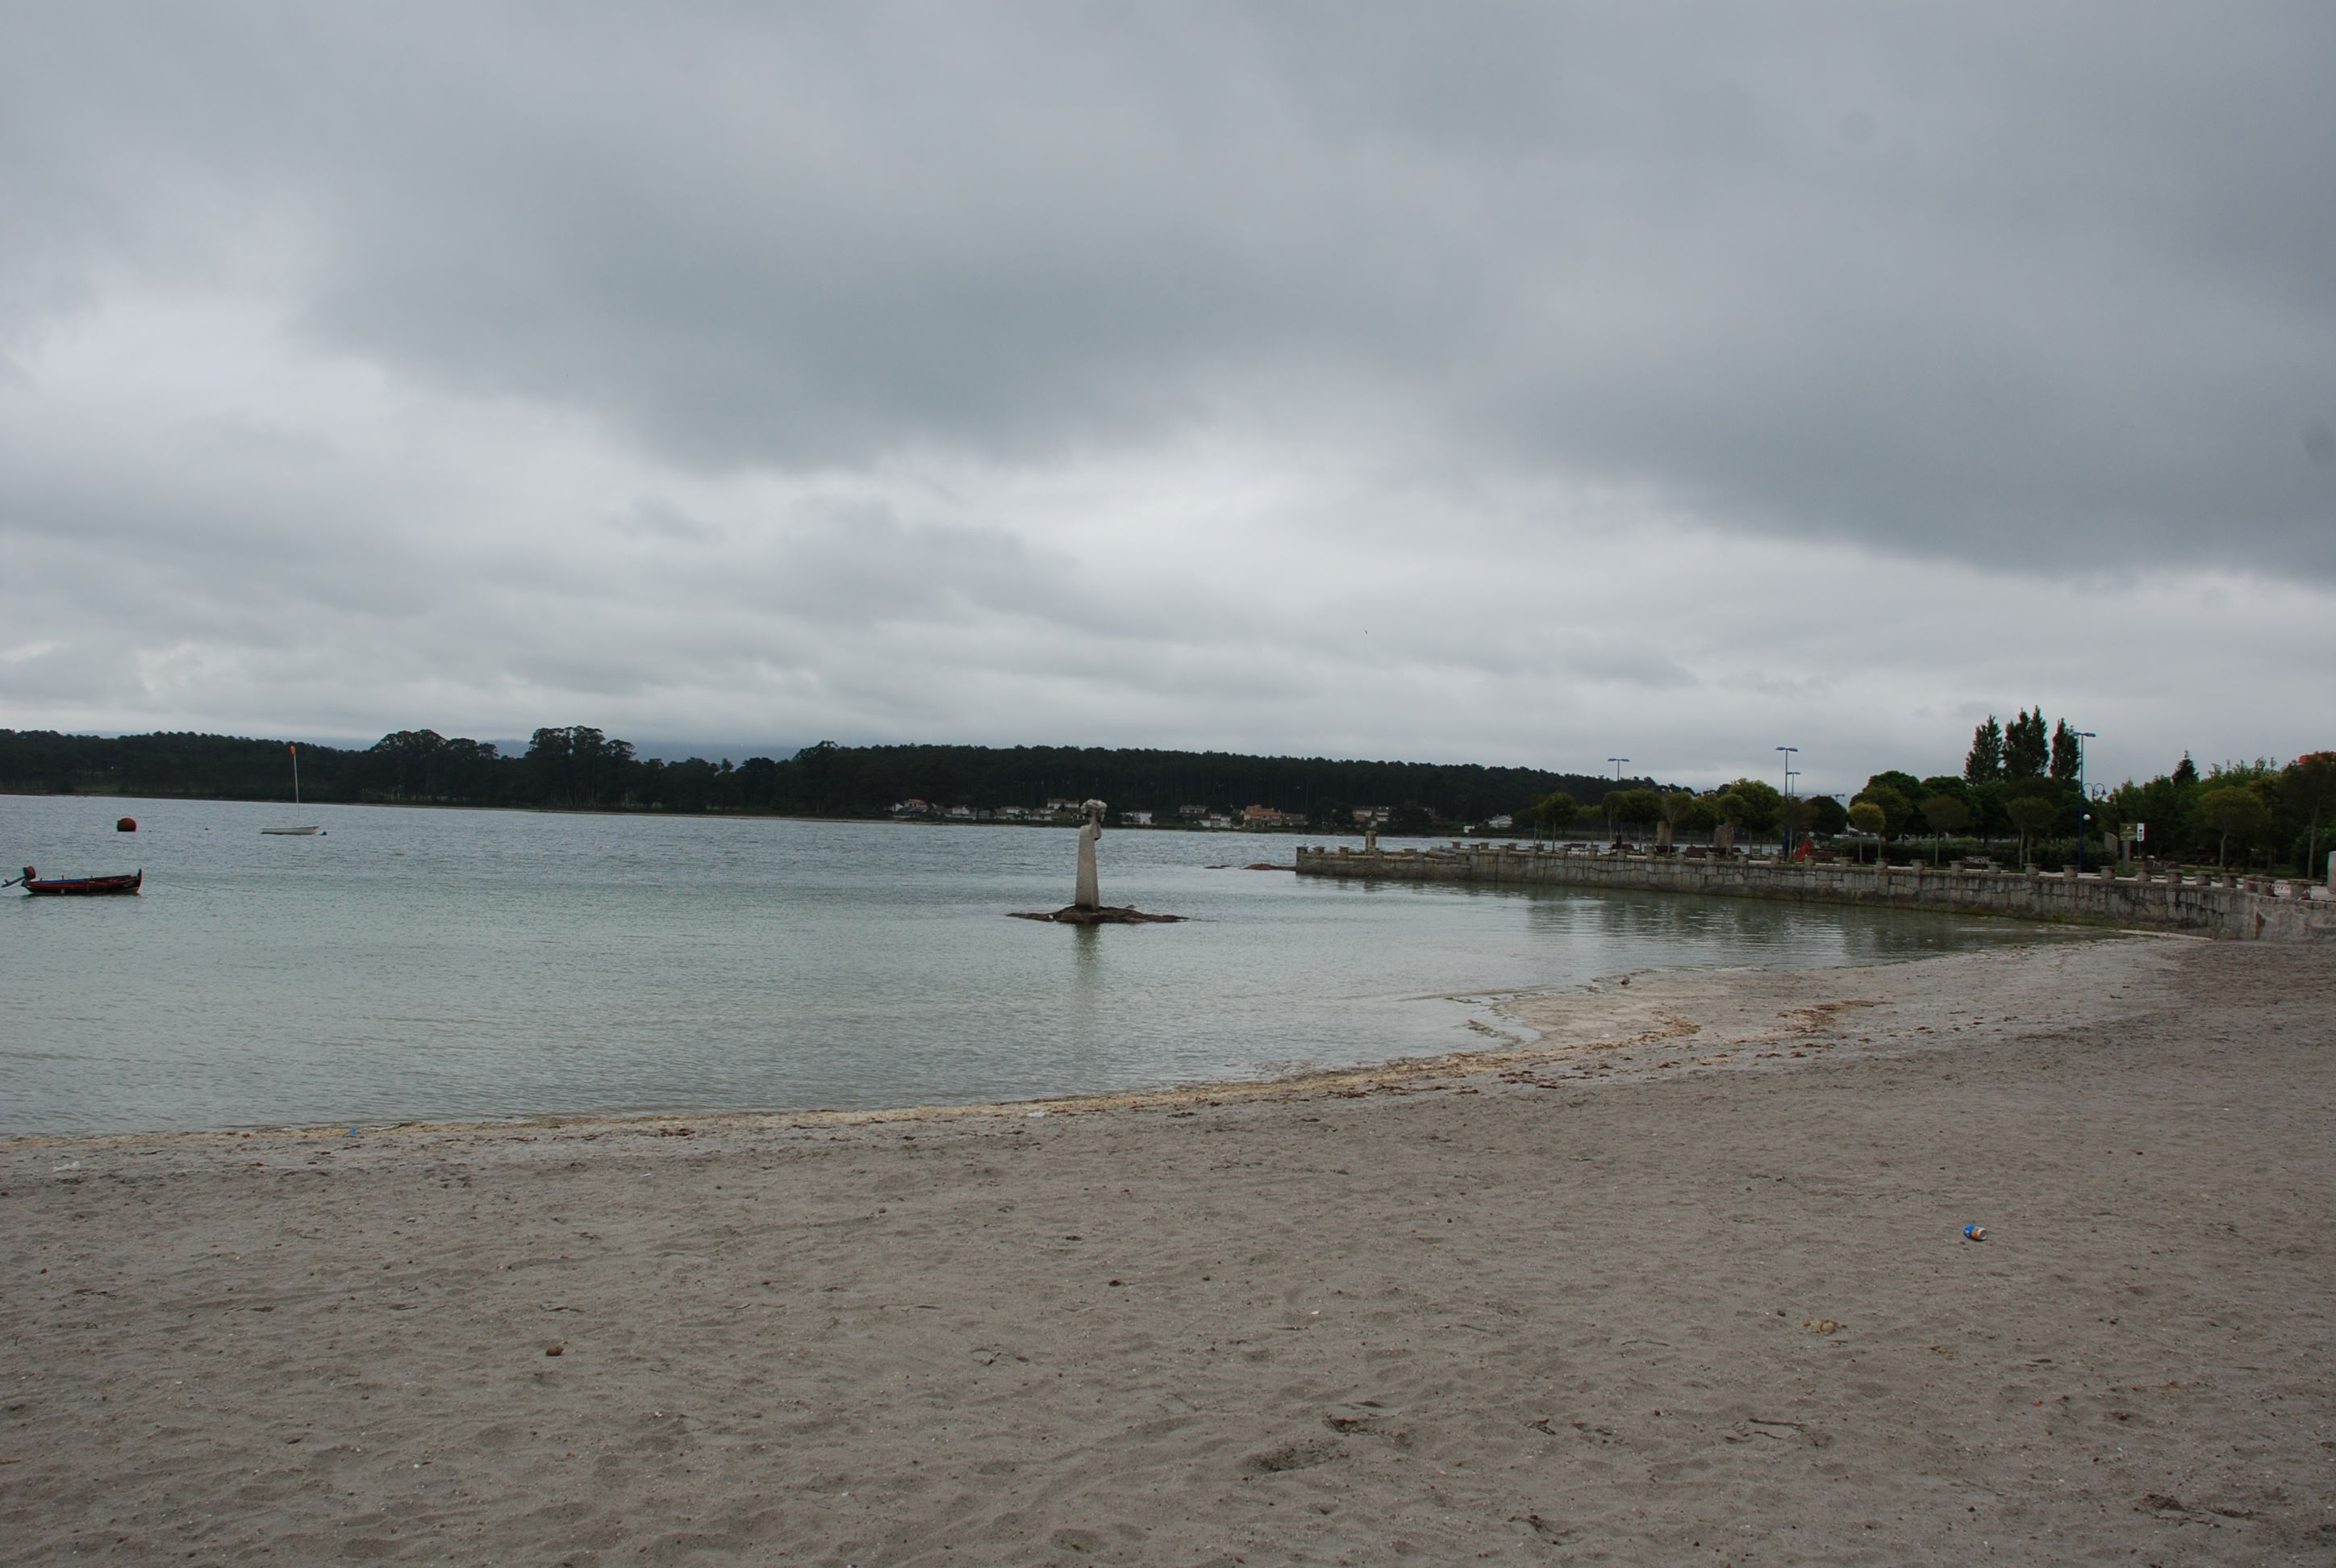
(2032, 291)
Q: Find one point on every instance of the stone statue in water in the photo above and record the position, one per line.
(1086, 908)
(1088, 897)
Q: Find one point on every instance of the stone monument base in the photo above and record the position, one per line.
(1103, 915)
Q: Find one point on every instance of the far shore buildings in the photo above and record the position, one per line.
(1062, 809)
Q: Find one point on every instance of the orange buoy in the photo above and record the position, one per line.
(126, 825)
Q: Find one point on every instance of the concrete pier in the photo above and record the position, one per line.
(2252, 909)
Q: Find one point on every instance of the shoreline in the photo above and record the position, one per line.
(646, 813)
(1614, 1299)
(1588, 1014)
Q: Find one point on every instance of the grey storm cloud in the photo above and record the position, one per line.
(2028, 288)
(1483, 381)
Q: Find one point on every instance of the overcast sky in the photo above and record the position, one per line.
(1532, 383)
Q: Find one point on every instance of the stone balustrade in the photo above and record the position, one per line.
(2248, 908)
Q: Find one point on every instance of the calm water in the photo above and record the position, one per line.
(438, 965)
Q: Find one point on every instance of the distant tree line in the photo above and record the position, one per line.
(2024, 783)
(582, 768)
(2019, 786)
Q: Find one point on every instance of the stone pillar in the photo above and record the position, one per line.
(1089, 896)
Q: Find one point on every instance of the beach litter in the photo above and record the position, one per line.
(1974, 1232)
(1821, 1325)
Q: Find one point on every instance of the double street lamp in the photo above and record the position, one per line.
(1787, 842)
(2083, 817)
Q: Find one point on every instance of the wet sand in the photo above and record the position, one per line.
(1679, 1281)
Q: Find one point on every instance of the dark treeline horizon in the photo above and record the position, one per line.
(581, 768)
(2260, 811)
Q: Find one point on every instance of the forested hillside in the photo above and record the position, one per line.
(581, 767)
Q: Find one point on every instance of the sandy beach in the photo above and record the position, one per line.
(1675, 1275)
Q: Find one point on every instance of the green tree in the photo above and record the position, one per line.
(2308, 794)
(1677, 807)
(2235, 811)
(1984, 762)
(2165, 813)
(1945, 783)
(1555, 812)
(588, 767)
(1826, 815)
(1986, 801)
(1906, 784)
(1699, 817)
(408, 757)
(1729, 809)
(1946, 815)
(1637, 807)
(2067, 759)
(2027, 750)
(1410, 820)
(2031, 814)
(1794, 814)
(1757, 804)
(1897, 806)
(1868, 817)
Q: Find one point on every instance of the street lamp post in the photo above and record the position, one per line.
(2084, 818)
(1785, 850)
(1618, 762)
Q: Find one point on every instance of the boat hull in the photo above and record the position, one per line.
(85, 887)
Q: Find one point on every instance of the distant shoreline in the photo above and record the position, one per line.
(723, 814)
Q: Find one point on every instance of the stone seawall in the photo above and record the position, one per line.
(2247, 908)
